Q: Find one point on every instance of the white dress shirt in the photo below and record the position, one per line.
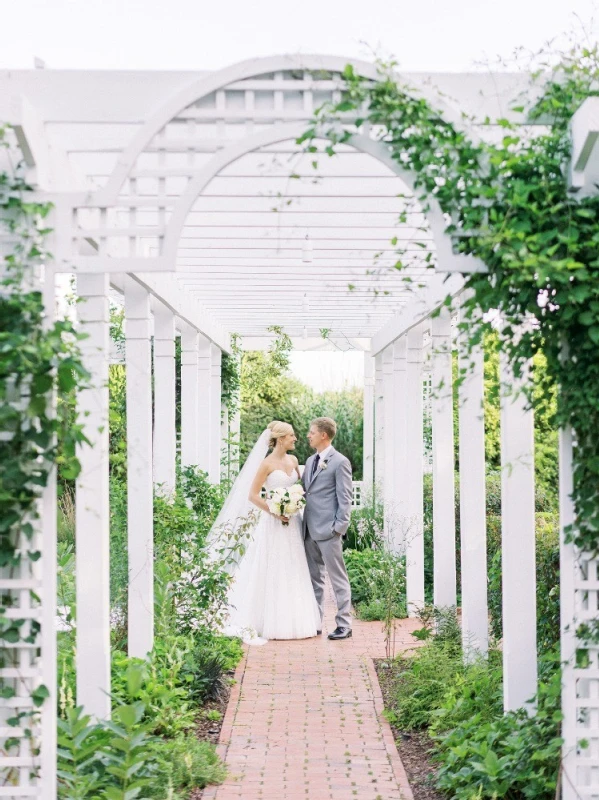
(325, 454)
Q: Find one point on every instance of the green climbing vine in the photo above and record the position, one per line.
(231, 375)
(508, 204)
(37, 362)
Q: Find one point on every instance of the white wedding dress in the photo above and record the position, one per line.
(271, 596)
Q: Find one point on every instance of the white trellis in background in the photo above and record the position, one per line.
(187, 194)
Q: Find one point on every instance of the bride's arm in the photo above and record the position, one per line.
(257, 485)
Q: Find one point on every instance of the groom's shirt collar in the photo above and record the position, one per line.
(326, 453)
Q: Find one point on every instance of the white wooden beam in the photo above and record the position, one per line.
(414, 531)
(92, 510)
(368, 429)
(48, 567)
(584, 164)
(473, 516)
(99, 264)
(574, 758)
(379, 425)
(139, 470)
(336, 341)
(186, 306)
(190, 421)
(234, 74)
(31, 137)
(389, 452)
(205, 395)
(421, 306)
(215, 415)
(518, 543)
(164, 449)
(444, 561)
(401, 465)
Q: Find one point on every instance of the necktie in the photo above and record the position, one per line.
(314, 466)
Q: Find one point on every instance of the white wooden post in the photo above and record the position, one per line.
(444, 561)
(204, 401)
(92, 511)
(190, 421)
(414, 487)
(388, 426)
(47, 566)
(215, 414)
(401, 466)
(473, 516)
(577, 773)
(379, 441)
(139, 470)
(368, 434)
(165, 442)
(518, 542)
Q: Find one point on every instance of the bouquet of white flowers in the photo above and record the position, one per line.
(286, 502)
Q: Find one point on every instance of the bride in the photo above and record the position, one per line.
(271, 596)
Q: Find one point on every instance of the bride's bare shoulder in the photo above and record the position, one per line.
(268, 463)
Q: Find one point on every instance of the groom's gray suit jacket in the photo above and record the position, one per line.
(328, 497)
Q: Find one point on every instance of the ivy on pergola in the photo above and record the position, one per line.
(510, 207)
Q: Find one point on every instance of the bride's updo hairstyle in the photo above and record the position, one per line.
(278, 429)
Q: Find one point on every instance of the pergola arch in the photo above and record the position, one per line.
(221, 79)
(406, 342)
(449, 261)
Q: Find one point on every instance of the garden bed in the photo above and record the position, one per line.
(414, 747)
(207, 729)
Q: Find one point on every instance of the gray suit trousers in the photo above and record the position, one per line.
(328, 554)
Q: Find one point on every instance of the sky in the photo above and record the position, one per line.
(428, 35)
(422, 35)
(324, 371)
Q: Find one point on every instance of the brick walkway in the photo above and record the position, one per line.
(305, 721)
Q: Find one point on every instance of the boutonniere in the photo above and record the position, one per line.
(324, 464)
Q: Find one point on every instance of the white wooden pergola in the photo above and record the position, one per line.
(187, 194)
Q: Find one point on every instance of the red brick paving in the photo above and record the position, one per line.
(304, 721)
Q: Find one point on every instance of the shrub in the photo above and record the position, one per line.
(104, 759)
(427, 521)
(119, 557)
(421, 681)
(117, 419)
(197, 581)
(159, 685)
(204, 498)
(504, 756)
(366, 525)
(475, 692)
(378, 583)
(207, 665)
(120, 760)
(547, 576)
(183, 764)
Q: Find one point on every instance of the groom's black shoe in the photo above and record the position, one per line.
(340, 633)
(318, 633)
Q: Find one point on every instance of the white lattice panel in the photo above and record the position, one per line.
(20, 675)
(357, 500)
(586, 680)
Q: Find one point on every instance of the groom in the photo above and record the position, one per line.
(327, 481)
